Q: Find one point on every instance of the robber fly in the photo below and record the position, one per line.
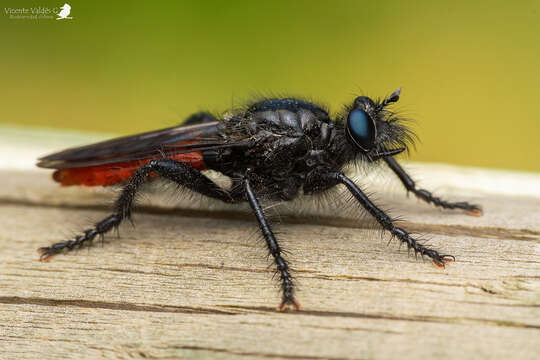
(273, 149)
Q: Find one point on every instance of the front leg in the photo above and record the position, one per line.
(387, 223)
(427, 196)
(287, 285)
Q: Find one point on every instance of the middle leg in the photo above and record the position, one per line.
(287, 285)
(388, 224)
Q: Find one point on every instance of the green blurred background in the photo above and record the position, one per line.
(470, 70)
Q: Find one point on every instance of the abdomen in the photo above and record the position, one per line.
(115, 173)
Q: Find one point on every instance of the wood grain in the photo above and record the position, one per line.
(193, 281)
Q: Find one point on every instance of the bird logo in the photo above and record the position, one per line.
(66, 9)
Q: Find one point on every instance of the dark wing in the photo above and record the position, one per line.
(153, 144)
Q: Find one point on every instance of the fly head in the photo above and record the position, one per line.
(374, 130)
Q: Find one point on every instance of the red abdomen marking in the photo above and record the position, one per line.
(114, 173)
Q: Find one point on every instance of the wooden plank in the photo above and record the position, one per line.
(192, 281)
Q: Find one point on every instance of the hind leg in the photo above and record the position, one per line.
(199, 118)
(172, 170)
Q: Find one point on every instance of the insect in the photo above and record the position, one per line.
(272, 149)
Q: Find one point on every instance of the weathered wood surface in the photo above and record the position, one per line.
(196, 283)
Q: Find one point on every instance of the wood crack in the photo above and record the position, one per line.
(439, 229)
(259, 354)
(382, 316)
(16, 300)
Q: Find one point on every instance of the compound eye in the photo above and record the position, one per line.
(361, 129)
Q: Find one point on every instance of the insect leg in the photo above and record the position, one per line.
(287, 285)
(199, 118)
(427, 196)
(387, 223)
(170, 169)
